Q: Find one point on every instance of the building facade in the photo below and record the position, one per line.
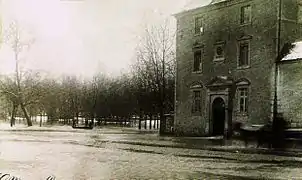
(225, 53)
(290, 86)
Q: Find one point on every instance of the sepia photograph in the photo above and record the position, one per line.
(150, 90)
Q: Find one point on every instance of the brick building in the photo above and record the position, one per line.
(225, 54)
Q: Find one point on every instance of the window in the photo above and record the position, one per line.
(198, 25)
(197, 61)
(219, 52)
(244, 48)
(299, 15)
(243, 99)
(245, 15)
(196, 101)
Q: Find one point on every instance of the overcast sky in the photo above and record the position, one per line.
(83, 36)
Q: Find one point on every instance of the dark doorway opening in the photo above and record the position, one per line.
(218, 114)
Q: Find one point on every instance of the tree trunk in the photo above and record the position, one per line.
(140, 121)
(145, 118)
(150, 121)
(153, 121)
(126, 120)
(77, 118)
(162, 124)
(92, 118)
(28, 120)
(12, 120)
(41, 120)
(163, 97)
(49, 118)
(121, 121)
(86, 122)
(98, 121)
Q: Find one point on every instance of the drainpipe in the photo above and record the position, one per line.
(275, 105)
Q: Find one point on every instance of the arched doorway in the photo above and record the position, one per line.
(218, 116)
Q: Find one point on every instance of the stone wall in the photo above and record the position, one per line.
(290, 91)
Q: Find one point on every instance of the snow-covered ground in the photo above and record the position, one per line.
(34, 155)
(6, 126)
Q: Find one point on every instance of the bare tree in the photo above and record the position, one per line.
(52, 100)
(16, 39)
(89, 98)
(156, 65)
(9, 91)
(71, 91)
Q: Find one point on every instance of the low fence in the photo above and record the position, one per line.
(143, 122)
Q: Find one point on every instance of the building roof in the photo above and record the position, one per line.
(295, 53)
(195, 4)
(217, 1)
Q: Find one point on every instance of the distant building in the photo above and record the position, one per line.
(225, 56)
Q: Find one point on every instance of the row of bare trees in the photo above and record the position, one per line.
(147, 90)
(71, 97)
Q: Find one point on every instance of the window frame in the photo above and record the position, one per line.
(197, 30)
(196, 109)
(199, 50)
(245, 101)
(299, 11)
(239, 54)
(242, 15)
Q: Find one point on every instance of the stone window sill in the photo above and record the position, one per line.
(219, 59)
(241, 114)
(198, 34)
(245, 24)
(197, 72)
(243, 67)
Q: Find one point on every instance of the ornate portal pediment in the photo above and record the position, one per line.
(243, 82)
(197, 45)
(220, 81)
(196, 85)
(244, 37)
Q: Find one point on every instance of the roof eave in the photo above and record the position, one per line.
(176, 15)
(290, 60)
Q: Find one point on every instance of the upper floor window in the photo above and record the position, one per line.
(196, 106)
(198, 25)
(299, 14)
(245, 15)
(219, 52)
(197, 64)
(243, 99)
(244, 54)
